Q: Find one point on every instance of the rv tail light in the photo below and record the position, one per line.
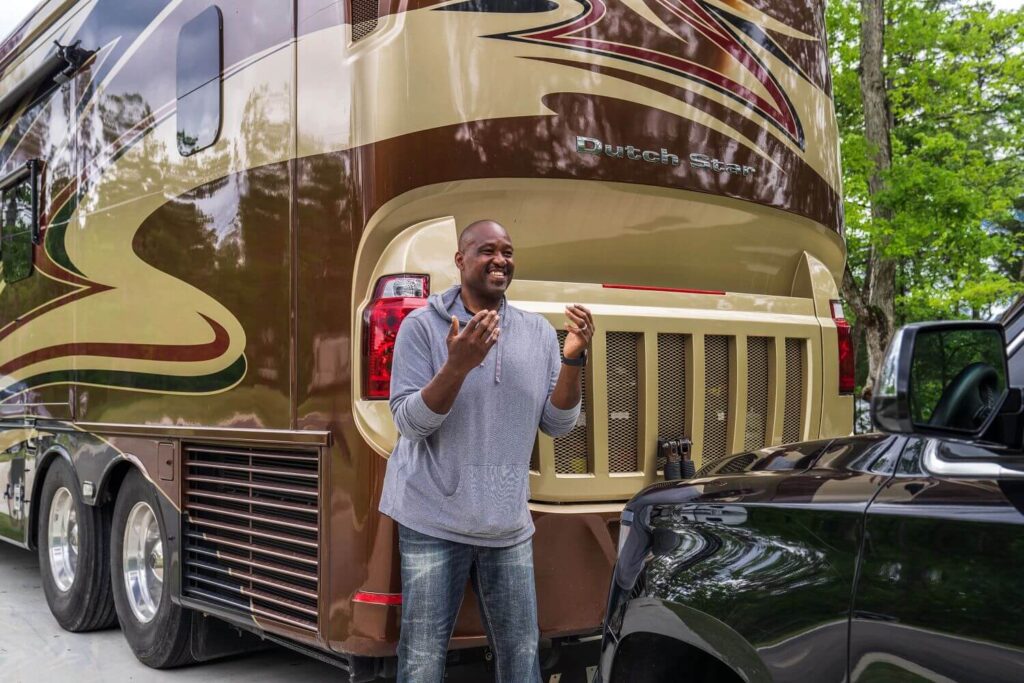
(395, 297)
(388, 599)
(844, 336)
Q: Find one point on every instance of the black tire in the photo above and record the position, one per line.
(165, 641)
(87, 605)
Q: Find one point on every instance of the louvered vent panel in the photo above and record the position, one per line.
(251, 532)
(671, 388)
(792, 427)
(716, 398)
(364, 18)
(757, 393)
(623, 401)
(572, 451)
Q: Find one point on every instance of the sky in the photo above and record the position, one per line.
(13, 11)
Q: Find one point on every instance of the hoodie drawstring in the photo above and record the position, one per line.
(498, 346)
(442, 303)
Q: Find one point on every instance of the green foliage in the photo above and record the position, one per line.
(953, 75)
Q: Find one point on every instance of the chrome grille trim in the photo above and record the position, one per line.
(251, 532)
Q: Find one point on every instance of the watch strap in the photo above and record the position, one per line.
(576, 362)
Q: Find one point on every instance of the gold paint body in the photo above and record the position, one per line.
(339, 162)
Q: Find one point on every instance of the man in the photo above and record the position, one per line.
(472, 380)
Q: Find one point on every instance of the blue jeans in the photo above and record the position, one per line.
(434, 574)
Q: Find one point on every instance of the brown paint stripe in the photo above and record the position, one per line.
(153, 352)
(50, 306)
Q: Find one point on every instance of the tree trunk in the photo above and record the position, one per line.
(873, 300)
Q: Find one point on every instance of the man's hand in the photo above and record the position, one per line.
(580, 327)
(467, 349)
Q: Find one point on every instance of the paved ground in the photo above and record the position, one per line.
(34, 649)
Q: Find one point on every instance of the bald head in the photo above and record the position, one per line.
(485, 262)
(481, 230)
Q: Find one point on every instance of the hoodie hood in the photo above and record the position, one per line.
(448, 303)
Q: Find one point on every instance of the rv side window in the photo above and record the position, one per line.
(200, 63)
(18, 222)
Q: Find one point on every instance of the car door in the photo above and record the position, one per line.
(940, 586)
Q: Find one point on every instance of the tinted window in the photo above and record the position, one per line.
(200, 63)
(16, 229)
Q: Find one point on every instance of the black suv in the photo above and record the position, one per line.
(883, 557)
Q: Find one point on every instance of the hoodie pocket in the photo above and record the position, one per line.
(490, 500)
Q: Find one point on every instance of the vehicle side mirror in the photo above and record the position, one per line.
(941, 379)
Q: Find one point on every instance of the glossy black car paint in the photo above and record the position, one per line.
(827, 561)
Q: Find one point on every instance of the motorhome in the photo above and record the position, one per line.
(215, 216)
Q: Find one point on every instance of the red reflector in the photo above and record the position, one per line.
(844, 337)
(381, 322)
(378, 598)
(643, 288)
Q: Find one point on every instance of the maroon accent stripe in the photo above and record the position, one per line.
(388, 599)
(645, 288)
(572, 35)
(50, 306)
(168, 352)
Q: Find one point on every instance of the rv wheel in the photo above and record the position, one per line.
(73, 540)
(157, 629)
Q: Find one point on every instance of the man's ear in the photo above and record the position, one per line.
(459, 261)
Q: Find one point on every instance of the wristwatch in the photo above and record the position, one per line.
(576, 362)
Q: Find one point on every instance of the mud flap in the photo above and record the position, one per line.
(213, 638)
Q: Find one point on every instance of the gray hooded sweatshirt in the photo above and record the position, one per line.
(464, 476)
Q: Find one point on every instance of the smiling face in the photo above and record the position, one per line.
(485, 260)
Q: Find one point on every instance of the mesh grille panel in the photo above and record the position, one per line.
(671, 388)
(716, 398)
(757, 393)
(572, 450)
(364, 18)
(623, 401)
(792, 429)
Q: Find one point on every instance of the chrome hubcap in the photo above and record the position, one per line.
(62, 532)
(143, 562)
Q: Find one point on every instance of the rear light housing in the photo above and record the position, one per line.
(394, 297)
(844, 337)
